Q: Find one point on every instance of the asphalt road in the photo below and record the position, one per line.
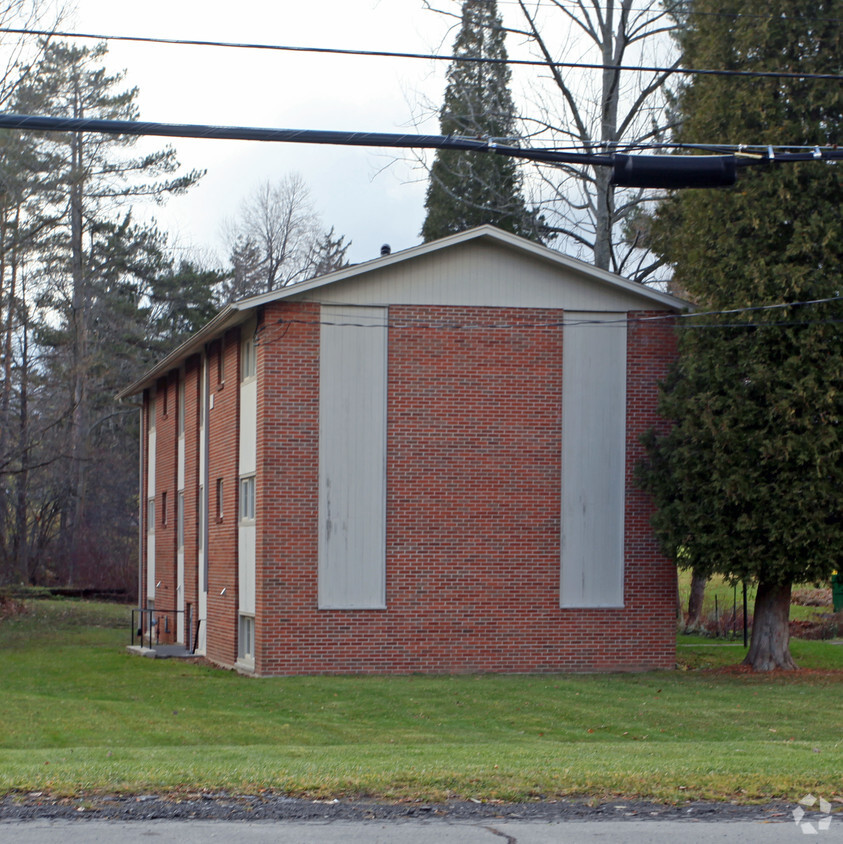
(411, 832)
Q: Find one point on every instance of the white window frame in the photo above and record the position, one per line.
(248, 500)
(248, 358)
(180, 520)
(150, 515)
(246, 639)
(200, 538)
(181, 394)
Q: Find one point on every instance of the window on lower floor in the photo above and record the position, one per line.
(246, 639)
(247, 499)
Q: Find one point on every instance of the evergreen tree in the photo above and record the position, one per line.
(329, 254)
(468, 189)
(86, 324)
(749, 482)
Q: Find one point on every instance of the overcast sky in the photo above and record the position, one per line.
(365, 194)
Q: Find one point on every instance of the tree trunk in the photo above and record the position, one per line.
(79, 306)
(769, 649)
(612, 45)
(695, 600)
(22, 479)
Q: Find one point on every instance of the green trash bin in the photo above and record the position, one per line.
(837, 591)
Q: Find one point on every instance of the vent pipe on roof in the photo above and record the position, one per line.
(386, 249)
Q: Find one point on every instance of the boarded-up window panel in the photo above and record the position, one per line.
(593, 460)
(352, 458)
(246, 570)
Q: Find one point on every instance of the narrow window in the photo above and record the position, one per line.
(164, 509)
(246, 639)
(180, 519)
(219, 499)
(201, 519)
(150, 515)
(181, 407)
(248, 361)
(247, 499)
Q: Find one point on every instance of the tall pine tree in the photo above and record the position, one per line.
(468, 189)
(749, 482)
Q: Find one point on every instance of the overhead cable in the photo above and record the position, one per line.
(653, 171)
(194, 42)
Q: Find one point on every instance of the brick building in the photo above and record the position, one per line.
(420, 463)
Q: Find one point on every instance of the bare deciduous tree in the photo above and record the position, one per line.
(273, 237)
(599, 110)
(607, 106)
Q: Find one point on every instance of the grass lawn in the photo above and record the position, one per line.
(727, 600)
(82, 715)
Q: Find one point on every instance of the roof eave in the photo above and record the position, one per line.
(229, 316)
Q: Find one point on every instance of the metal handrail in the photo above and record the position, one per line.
(146, 626)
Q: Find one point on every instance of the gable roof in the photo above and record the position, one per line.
(362, 275)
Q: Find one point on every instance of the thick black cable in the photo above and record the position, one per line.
(41, 123)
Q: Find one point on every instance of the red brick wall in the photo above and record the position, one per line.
(146, 423)
(650, 590)
(287, 485)
(223, 432)
(192, 399)
(473, 500)
(166, 452)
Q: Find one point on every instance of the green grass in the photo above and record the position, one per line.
(82, 715)
(724, 598)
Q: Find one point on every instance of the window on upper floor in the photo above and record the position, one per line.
(248, 358)
(180, 520)
(181, 407)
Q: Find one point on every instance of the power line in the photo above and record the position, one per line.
(189, 42)
(670, 172)
(406, 322)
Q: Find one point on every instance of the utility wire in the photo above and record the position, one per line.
(652, 164)
(752, 74)
(446, 325)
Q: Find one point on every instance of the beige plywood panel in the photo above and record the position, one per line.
(352, 458)
(150, 465)
(483, 275)
(593, 460)
(246, 568)
(248, 426)
(180, 596)
(150, 566)
(180, 469)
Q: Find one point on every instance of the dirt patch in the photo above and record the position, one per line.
(225, 806)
